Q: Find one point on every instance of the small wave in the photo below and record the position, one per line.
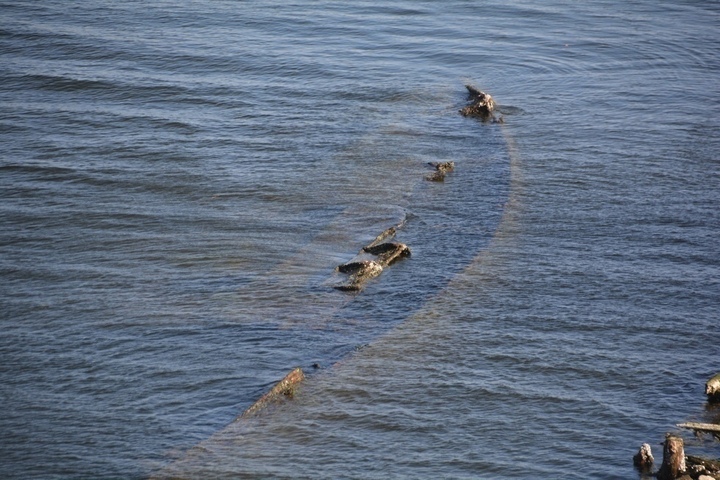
(41, 169)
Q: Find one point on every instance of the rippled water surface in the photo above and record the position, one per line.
(178, 181)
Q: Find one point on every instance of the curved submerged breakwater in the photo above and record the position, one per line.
(180, 180)
(450, 251)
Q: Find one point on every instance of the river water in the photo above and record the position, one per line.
(180, 179)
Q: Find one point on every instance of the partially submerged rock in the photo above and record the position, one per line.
(712, 388)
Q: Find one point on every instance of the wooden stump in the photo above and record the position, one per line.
(673, 458)
(643, 460)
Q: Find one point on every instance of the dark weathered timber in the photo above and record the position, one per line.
(673, 464)
(389, 233)
(435, 177)
(701, 427)
(382, 248)
(644, 459)
(442, 169)
(357, 267)
(482, 104)
(698, 466)
(285, 388)
(361, 272)
(443, 166)
(388, 258)
(349, 287)
(388, 253)
(474, 93)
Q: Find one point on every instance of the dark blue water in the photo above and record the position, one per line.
(179, 180)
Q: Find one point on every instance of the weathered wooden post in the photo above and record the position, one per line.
(643, 460)
(673, 458)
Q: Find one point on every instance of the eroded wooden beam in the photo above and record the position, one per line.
(701, 427)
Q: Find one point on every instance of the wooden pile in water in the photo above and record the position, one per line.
(676, 464)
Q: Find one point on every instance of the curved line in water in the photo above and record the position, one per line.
(504, 231)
